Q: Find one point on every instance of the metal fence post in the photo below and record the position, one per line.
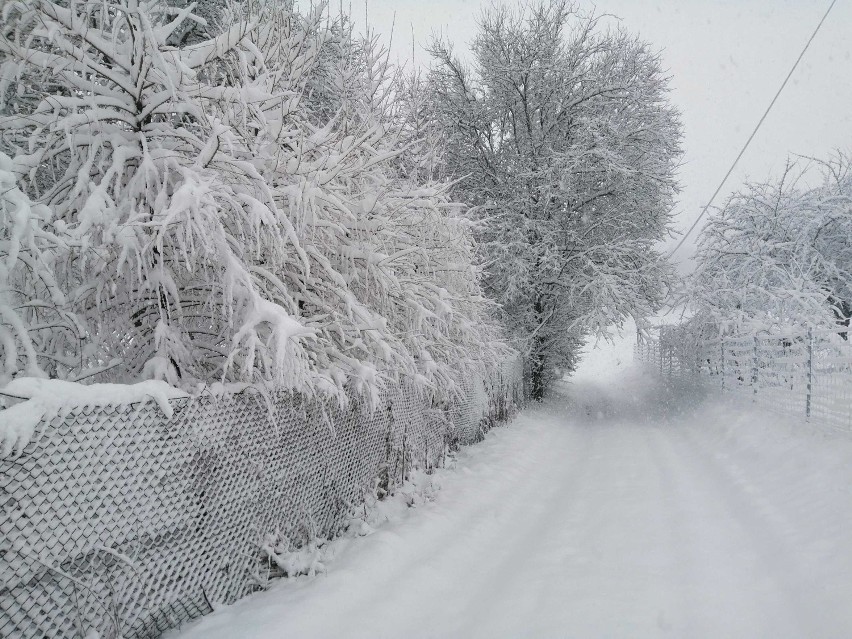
(671, 359)
(754, 367)
(810, 373)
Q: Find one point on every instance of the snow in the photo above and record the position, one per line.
(620, 508)
(418, 488)
(46, 397)
(601, 358)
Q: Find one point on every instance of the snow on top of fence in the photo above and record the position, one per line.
(39, 399)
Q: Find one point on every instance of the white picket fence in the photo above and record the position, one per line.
(806, 373)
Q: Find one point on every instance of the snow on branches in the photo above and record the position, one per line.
(227, 210)
(164, 207)
(568, 147)
(38, 332)
(779, 254)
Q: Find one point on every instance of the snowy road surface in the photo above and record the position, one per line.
(612, 511)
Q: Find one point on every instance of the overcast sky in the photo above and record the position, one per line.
(726, 57)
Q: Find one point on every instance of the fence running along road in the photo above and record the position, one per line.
(121, 521)
(806, 373)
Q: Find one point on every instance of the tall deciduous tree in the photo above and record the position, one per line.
(568, 147)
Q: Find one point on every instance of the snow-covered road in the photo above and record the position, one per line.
(612, 511)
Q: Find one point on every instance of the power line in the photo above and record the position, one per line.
(753, 133)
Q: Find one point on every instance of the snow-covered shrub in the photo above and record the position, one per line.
(234, 209)
(166, 210)
(778, 254)
(390, 288)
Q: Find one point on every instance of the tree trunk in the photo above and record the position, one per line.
(538, 354)
(538, 378)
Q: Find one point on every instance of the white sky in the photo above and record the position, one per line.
(726, 57)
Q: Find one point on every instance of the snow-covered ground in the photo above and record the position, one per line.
(621, 508)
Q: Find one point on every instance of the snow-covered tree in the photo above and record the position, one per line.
(568, 146)
(778, 254)
(232, 208)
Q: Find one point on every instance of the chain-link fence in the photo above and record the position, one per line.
(806, 373)
(120, 522)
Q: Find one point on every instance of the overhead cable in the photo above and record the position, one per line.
(753, 133)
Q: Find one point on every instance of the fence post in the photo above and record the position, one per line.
(671, 359)
(754, 367)
(810, 373)
(722, 346)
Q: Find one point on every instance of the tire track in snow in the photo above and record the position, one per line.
(597, 566)
(745, 571)
(528, 552)
(495, 557)
(625, 574)
(771, 531)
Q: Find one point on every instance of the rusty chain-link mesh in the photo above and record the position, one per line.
(119, 521)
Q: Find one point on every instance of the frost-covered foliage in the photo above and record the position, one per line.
(168, 214)
(390, 287)
(38, 332)
(568, 146)
(778, 254)
(226, 210)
